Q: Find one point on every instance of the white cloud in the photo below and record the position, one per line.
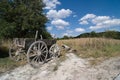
(53, 35)
(65, 34)
(68, 33)
(84, 19)
(99, 22)
(100, 19)
(88, 16)
(79, 30)
(56, 16)
(84, 22)
(59, 23)
(106, 24)
(53, 14)
(51, 4)
(49, 28)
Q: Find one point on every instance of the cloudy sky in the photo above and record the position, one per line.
(73, 17)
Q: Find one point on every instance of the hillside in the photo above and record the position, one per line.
(106, 34)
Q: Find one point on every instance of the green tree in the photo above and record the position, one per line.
(93, 34)
(111, 34)
(21, 18)
(65, 37)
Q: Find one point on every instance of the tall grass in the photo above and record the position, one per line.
(94, 47)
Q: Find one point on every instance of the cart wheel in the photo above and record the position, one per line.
(54, 51)
(14, 53)
(37, 53)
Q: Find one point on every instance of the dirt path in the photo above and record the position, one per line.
(73, 68)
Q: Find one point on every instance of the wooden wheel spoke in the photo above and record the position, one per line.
(41, 46)
(43, 55)
(33, 55)
(41, 59)
(44, 52)
(33, 51)
(33, 60)
(43, 49)
(38, 46)
(51, 55)
(52, 50)
(36, 60)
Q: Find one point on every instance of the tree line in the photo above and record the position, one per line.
(93, 34)
(106, 34)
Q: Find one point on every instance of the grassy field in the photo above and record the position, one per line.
(97, 48)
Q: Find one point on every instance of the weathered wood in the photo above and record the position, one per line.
(49, 42)
(26, 42)
(54, 52)
(37, 53)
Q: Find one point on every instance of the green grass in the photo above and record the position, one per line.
(7, 64)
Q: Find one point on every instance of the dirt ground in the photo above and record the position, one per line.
(73, 68)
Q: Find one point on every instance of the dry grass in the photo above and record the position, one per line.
(97, 48)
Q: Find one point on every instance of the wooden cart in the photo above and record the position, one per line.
(36, 51)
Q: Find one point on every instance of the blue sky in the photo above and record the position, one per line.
(73, 17)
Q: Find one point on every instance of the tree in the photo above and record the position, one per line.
(111, 34)
(65, 37)
(93, 34)
(21, 18)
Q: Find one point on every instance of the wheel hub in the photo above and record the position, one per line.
(39, 53)
(55, 50)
